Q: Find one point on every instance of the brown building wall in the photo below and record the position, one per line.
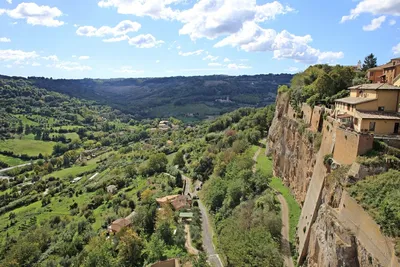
(381, 126)
(388, 99)
(374, 76)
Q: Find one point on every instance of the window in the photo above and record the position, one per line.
(372, 126)
(381, 108)
(348, 106)
(355, 121)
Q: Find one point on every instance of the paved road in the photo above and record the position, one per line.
(207, 233)
(286, 252)
(13, 167)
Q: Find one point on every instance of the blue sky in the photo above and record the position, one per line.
(155, 38)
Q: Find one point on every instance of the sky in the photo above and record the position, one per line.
(157, 38)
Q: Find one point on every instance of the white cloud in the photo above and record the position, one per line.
(17, 55)
(8, 66)
(70, 66)
(227, 60)
(396, 49)
(4, 40)
(156, 9)
(374, 7)
(36, 64)
(392, 22)
(52, 58)
(122, 28)
(76, 25)
(116, 39)
(128, 69)
(213, 18)
(35, 15)
(193, 53)
(9, 1)
(253, 38)
(157, 61)
(238, 66)
(211, 58)
(375, 24)
(214, 64)
(145, 41)
(84, 58)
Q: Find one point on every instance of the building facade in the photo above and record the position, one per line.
(371, 108)
(387, 73)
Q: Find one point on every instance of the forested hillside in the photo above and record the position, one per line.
(87, 165)
(187, 98)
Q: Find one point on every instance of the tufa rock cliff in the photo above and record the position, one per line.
(333, 228)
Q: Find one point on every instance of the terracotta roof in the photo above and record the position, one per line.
(117, 225)
(375, 86)
(378, 115)
(355, 100)
(181, 202)
(384, 66)
(166, 199)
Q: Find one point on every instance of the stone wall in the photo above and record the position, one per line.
(366, 230)
(349, 145)
(316, 119)
(307, 113)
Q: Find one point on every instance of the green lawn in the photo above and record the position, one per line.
(29, 147)
(170, 157)
(265, 165)
(11, 161)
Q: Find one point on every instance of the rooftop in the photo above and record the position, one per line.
(166, 199)
(117, 225)
(186, 214)
(355, 100)
(378, 115)
(375, 86)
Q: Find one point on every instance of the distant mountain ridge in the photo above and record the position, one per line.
(188, 98)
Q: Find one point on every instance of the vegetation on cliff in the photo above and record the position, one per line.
(321, 84)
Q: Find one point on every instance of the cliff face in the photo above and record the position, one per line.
(333, 229)
(293, 153)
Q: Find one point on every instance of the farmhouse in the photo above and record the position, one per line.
(117, 225)
(112, 189)
(371, 108)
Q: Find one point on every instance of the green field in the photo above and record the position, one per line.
(265, 165)
(11, 161)
(72, 136)
(67, 127)
(29, 147)
(173, 110)
(26, 121)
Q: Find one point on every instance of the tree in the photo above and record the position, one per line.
(130, 248)
(179, 160)
(369, 62)
(155, 249)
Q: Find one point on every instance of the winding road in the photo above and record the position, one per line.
(207, 233)
(285, 244)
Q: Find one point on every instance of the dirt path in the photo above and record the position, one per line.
(286, 252)
(13, 167)
(188, 243)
